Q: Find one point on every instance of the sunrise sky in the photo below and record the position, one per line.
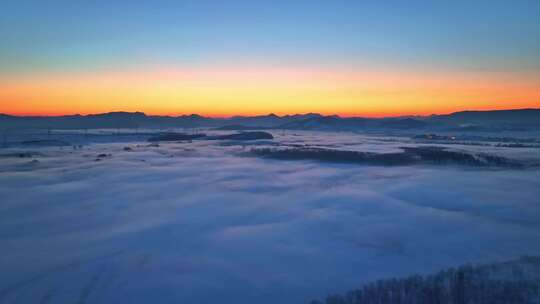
(223, 58)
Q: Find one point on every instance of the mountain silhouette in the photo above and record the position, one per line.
(518, 119)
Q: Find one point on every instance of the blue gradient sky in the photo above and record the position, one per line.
(493, 35)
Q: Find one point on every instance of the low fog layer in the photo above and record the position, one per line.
(201, 221)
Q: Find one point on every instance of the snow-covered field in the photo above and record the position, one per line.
(202, 222)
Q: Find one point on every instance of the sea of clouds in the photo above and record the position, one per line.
(202, 222)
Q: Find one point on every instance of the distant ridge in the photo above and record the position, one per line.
(272, 115)
(496, 115)
(513, 119)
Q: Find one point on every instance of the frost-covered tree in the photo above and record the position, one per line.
(515, 282)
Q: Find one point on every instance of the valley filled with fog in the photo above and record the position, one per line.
(120, 219)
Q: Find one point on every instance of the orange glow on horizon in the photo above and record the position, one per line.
(229, 91)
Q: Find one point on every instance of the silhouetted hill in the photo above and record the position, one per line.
(103, 120)
(517, 115)
(518, 120)
(239, 128)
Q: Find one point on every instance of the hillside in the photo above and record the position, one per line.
(513, 282)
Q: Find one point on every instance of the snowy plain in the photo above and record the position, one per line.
(202, 221)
